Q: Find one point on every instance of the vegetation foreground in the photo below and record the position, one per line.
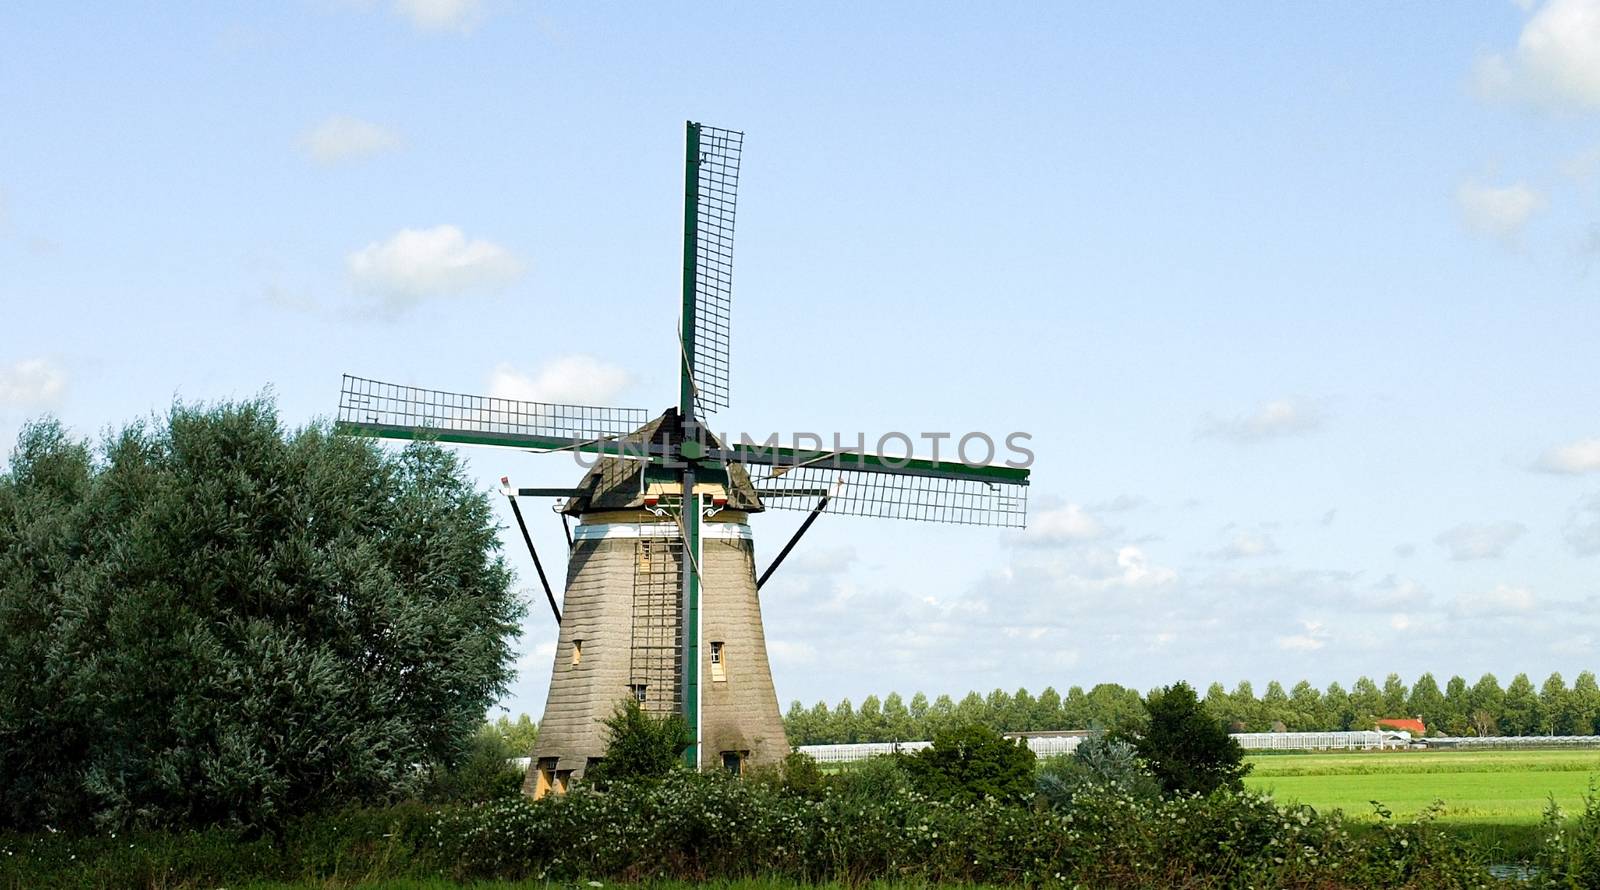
(1161, 807)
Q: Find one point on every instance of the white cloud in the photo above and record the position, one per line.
(788, 652)
(31, 382)
(1497, 211)
(341, 138)
(1271, 420)
(567, 380)
(1063, 525)
(1502, 600)
(1310, 641)
(1583, 527)
(441, 15)
(1556, 63)
(1246, 544)
(418, 263)
(1485, 540)
(1393, 592)
(1581, 456)
(820, 561)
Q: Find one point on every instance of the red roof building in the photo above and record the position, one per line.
(1412, 725)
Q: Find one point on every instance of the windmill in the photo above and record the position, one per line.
(661, 601)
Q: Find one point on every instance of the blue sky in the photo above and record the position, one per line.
(1298, 303)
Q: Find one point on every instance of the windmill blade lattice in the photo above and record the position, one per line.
(890, 495)
(392, 411)
(716, 191)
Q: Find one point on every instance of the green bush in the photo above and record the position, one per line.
(484, 772)
(1099, 763)
(1569, 854)
(640, 747)
(1188, 750)
(693, 827)
(972, 762)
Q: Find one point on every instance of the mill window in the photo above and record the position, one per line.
(718, 668)
(577, 651)
(638, 692)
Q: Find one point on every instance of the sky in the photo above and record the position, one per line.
(1298, 303)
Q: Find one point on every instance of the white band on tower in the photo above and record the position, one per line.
(600, 531)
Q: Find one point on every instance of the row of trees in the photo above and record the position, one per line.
(1482, 708)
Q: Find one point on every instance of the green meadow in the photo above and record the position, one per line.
(1474, 787)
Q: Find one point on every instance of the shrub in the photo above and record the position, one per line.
(1188, 750)
(640, 747)
(972, 762)
(691, 827)
(483, 772)
(1099, 763)
(1569, 855)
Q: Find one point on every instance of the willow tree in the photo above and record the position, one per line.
(211, 620)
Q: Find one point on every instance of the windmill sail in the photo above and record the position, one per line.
(711, 198)
(392, 411)
(862, 484)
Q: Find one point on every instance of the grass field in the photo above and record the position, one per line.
(1477, 787)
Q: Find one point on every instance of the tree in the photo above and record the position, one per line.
(1243, 709)
(972, 761)
(1366, 703)
(999, 707)
(1427, 702)
(217, 621)
(897, 721)
(1189, 750)
(1585, 701)
(1458, 706)
(1047, 710)
(640, 747)
(1555, 714)
(1395, 697)
(519, 736)
(1519, 715)
(973, 709)
(941, 713)
(870, 725)
(1111, 706)
(820, 722)
(1341, 714)
(1306, 704)
(1218, 704)
(919, 707)
(1487, 700)
(1275, 705)
(1019, 717)
(842, 723)
(1075, 709)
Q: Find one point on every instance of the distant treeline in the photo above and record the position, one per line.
(1483, 708)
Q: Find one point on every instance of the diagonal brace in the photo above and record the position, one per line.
(816, 511)
(528, 539)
